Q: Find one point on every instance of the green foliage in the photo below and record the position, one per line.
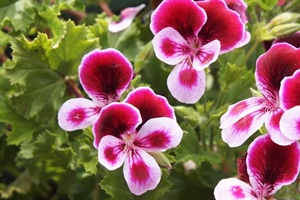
(41, 46)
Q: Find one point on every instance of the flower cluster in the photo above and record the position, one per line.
(194, 39)
(124, 132)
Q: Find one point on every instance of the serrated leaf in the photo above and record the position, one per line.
(100, 30)
(76, 42)
(88, 158)
(21, 14)
(22, 129)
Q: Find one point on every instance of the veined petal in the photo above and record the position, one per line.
(233, 189)
(279, 61)
(105, 75)
(236, 134)
(182, 15)
(290, 123)
(206, 55)
(141, 172)
(170, 47)
(116, 119)
(240, 109)
(126, 18)
(272, 125)
(150, 104)
(271, 166)
(186, 84)
(111, 152)
(77, 114)
(221, 24)
(159, 134)
(289, 91)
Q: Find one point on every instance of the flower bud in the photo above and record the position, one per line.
(284, 29)
(283, 18)
(161, 159)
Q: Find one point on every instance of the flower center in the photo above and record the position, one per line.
(128, 138)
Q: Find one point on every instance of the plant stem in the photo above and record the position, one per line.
(251, 50)
(72, 87)
(103, 5)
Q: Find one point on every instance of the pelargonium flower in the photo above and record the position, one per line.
(104, 75)
(269, 167)
(126, 18)
(290, 101)
(239, 6)
(293, 39)
(191, 35)
(149, 105)
(124, 143)
(245, 117)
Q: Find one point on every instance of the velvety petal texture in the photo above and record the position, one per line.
(149, 104)
(233, 189)
(141, 172)
(126, 18)
(186, 84)
(116, 119)
(271, 166)
(279, 61)
(170, 47)
(290, 91)
(105, 75)
(182, 15)
(290, 123)
(220, 24)
(159, 134)
(77, 114)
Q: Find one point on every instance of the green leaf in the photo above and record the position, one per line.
(100, 30)
(76, 42)
(22, 129)
(21, 14)
(88, 158)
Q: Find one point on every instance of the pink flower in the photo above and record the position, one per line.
(290, 101)
(191, 35)
(246, 117)
(104, 75)
(269, 167)
(239, 6)
(126, 18)
(123, 142)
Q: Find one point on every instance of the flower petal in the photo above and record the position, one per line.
(272, 125)
(240, 109)
(111, 152)
(279, 61)
(289, 92)
(150, 104)
(141, 172)
(184, 16)
(77, 114)
(105, 75)
(233, 189)
(290, 123)
(170, 47)
(206, 55)
(240, 7)
(186, 84)
(221, 24)
(116, 119)
(126, 18)
(159, 134)
(293, 39)
(271, 166)
(241, 130)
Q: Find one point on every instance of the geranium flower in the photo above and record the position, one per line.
(269, 167)
(290, 101)
(293, 39)
(104, 75)
(247, 116)
(126, 18)
(149, 105)
(123, 143)
(239, 6)
(191, 35)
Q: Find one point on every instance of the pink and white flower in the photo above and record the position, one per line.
(269, 167)
(104, 75)
(191, 35)
(124, 143)
(247, 116)
(126, 18)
